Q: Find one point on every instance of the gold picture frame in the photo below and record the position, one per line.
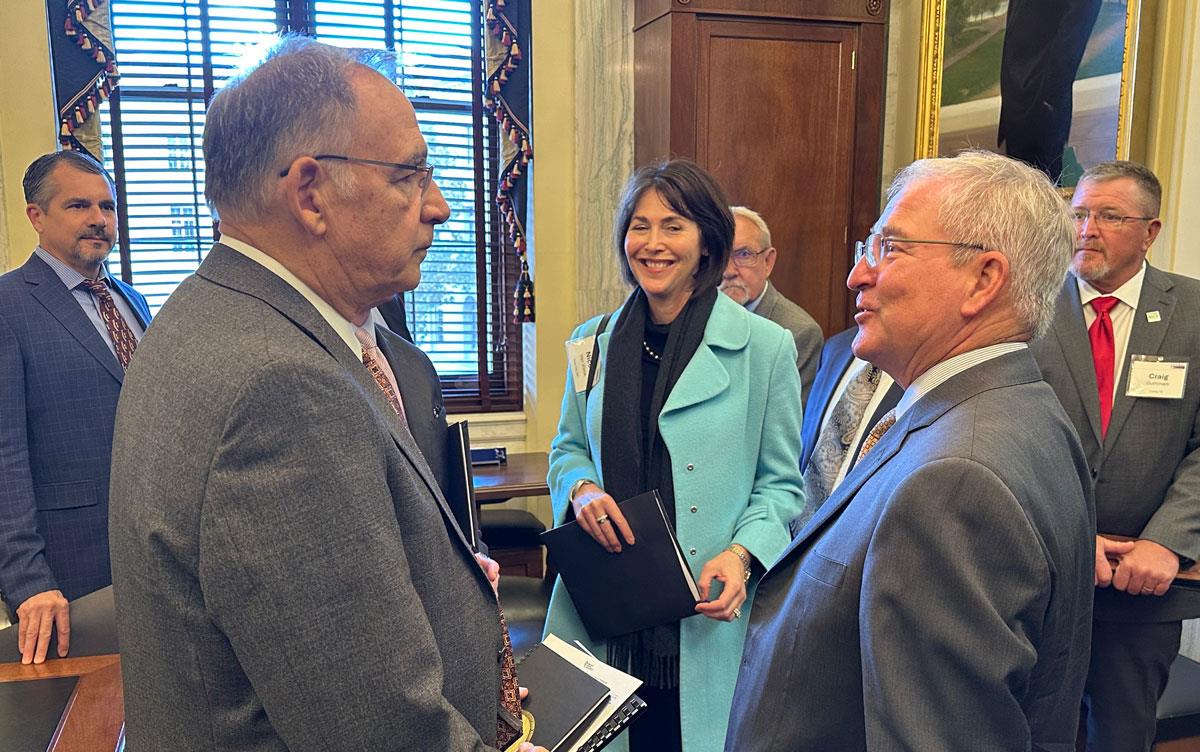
(931, 106)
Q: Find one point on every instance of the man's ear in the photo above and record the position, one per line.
(769, 260)
(306, 191)
(989, 275)
(35, 214)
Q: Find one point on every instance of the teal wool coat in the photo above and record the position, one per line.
(732, 426)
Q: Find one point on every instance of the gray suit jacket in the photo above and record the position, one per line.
(286, 573)
(1147, 469)
(806, 331)
(941, 598)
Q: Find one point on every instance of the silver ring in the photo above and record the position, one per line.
(602, 519)
(1147, 590)
(737, 613)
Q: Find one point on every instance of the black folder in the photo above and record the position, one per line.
(460, 490)
(562, 698)
(644, 585)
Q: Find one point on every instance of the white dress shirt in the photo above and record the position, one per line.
(1121, 315)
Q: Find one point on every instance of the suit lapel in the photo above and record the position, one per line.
(1076, 348)
(228, 268)
(49, 290)
(705, 376)
(1145, 338)
(139, 310)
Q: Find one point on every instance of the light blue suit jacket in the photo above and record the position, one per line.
(732, 426)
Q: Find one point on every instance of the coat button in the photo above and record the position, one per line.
(691, 467)
(695, 509)
(692, 551)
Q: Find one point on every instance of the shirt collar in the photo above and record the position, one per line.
(940, 373)
(1128, 293)
(340, 324)
(69, 276)
(752, 306)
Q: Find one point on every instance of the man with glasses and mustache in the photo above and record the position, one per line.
(745, 281)
(67, 331)
(1123, 355)
(940, 599)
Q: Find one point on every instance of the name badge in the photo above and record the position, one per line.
(1155, 377)
(579, 356)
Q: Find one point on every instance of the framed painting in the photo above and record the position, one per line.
(1046, 81)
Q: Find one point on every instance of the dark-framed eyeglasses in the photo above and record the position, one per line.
(877, 245)
(424, 172)
(1107, 219)
(747, 257)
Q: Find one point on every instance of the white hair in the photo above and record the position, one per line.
(764, 232)
(1004, 205)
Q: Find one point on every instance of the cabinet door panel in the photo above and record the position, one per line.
(775, 125)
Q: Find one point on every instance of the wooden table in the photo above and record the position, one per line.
(523, 475)
(66, 704)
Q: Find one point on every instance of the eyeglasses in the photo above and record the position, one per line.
(425, 171)
(1107, 219)
(747, 257)
(877, 244)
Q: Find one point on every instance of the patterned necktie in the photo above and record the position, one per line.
(372, 358)
(122, 337)
(834, 442)
(1103, 356)
(887, 421)
(508, 722)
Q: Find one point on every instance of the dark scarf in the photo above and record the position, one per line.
(651, 654)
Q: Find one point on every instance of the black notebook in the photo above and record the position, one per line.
(559, 697)
(562, 698)
(644, 585)
(460, 493)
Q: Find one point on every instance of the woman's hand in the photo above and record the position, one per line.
(728, 568)
(600, 516)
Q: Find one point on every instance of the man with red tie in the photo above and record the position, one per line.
(1122, 356)
(67, 332)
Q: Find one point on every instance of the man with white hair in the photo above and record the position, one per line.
(286, 571)
(940, 599)
(746, 281)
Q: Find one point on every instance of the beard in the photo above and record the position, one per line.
(1090, 266)
(737, 291)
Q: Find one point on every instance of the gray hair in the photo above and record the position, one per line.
(296, 100)
(1001, 204)
(1146, 181)
(764, 233)
(37, 184)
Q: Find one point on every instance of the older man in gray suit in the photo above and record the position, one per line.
(286, 572)
(941, 598)
(1123, 356)
(746, 281)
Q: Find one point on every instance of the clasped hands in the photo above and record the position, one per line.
(598, 514)
(1136, 567)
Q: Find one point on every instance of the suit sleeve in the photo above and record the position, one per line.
(23, 568)
(298, 531)
(1176, 523)
(571, 458)
(809, 340)
(778, 492)
(953, 594)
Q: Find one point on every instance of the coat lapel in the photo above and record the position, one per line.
(228, 268)
(1145, 338)
(705, 376)
(49, 290)
(1073, 340)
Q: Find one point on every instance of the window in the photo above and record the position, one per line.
(174, 54)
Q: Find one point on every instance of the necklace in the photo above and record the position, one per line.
(653, 355)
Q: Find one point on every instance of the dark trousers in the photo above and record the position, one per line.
(656, 729)
(1129, 668)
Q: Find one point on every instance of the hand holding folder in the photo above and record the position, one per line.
(642, 586)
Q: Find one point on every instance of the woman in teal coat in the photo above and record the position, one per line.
(698, 398)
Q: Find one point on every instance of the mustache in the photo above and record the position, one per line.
(96, 234)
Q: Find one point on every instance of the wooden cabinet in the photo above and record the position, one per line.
(782, 101)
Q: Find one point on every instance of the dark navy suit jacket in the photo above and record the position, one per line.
(59, 395)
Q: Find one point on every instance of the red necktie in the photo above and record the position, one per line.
(122, 336)
(1103, 356)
